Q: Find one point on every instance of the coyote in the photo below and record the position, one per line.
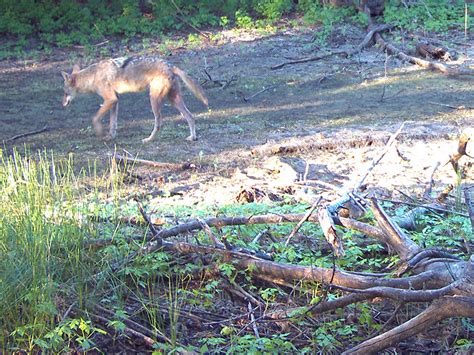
(121, 75)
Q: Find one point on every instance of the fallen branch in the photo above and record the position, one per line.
(365, 42)
(309, 59)
(219, 222)
(171, 166)
(127, 330)
(27, 134)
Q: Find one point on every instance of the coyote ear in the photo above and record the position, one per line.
(75, 68)
(66, 76)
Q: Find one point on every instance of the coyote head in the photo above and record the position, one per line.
(70, 85)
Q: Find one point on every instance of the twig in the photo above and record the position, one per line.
(308, 59)
(64, 316)
(429, 207)
(389, 143)
(94, 45)
(258, 93)
(208, 231)
(187, 22)
(430, 180)
(394, 95)
(127, 330)
(308, 183)
(252, 320)
(462, 107)
(27, 134)
(468, 193)
(228, 82)
(259, 235)
(146, 218)
(304, 219)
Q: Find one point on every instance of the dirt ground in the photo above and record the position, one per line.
(336, 99)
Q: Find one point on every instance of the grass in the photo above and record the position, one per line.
(41, 253)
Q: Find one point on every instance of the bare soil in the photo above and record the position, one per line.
(338, 99)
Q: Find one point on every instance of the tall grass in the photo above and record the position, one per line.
(42, 261)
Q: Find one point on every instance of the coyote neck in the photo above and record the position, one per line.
(85, 79)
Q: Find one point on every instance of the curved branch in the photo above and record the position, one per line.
(405, 295)
(446, 307)
(427, 253)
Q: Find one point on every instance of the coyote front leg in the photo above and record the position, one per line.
(113, 121)
(106, 106)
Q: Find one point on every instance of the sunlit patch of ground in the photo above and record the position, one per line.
(336, 98)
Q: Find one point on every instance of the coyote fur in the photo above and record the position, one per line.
(111, 77)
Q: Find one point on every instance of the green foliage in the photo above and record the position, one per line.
(63, 23)
(444, 232)
(249, 344)
(431, 15)
(273, 9)
(328, 16)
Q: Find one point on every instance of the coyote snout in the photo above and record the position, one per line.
(116, 76)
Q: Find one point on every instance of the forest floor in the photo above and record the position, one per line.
(338, 99)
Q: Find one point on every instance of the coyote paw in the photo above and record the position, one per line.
(191, 138)
(146, 140)
(99, 132)
(108, 138)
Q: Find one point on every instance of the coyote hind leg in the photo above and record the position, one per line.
(156, 100)
(177, 101)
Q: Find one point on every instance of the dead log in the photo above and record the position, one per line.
(423, 63)
(428, 50)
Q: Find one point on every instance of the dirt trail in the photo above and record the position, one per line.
(338, 98)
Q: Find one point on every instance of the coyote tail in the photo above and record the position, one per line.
(193, 86)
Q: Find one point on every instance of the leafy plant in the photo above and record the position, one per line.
(430, 15)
